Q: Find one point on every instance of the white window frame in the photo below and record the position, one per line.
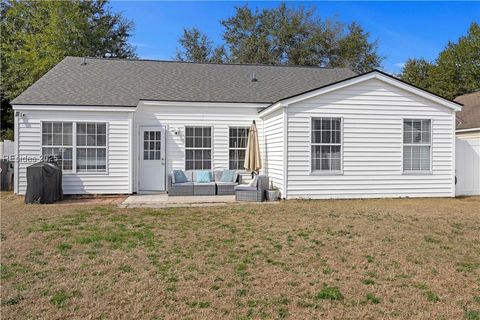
(74, 147)
(92, 147)
(325, 172)
(196, 148)
(155, 141)
(417, 172)
(59, 146)
(229, 148)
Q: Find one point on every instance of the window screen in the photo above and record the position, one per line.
(238, 138)
(91, 147)
(417, 144)
(57, 142)
(326, 144)
(198, 148)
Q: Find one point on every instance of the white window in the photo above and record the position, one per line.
(326, 145)
(198, 148)
(237, 147)
(417, 145)
(152, 145)
(57, 142)
(91, 147)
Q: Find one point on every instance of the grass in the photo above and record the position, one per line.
(432, 296)
(368, 281)
(329, 293)
(472, 315)
(342, 259)
(59, 299)
(372, 298)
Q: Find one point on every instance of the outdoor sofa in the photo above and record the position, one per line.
(254, 191)
(191, 187)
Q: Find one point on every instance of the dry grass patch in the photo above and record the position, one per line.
(344, 259)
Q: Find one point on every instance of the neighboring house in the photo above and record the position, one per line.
(468, 119)
(468, 145)
(121, 125)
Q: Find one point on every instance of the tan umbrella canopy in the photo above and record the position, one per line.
(252, 155)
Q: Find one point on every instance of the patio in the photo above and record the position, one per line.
(162, 200)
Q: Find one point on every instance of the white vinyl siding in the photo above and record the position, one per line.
(274, 148)
(220, 119)
(115, 180)
(372, 113)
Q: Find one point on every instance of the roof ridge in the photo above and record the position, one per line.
(210, 63)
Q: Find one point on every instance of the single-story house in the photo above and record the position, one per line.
(468, 145)
(119, 126)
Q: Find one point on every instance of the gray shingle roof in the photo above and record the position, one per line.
(469, 117)
(114, 82)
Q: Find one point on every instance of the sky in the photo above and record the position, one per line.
(403, 29)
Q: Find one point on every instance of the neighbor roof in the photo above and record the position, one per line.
(116, 82)
(469, 117)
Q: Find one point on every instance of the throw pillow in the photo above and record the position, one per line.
(179, 176)
(228, 176)
(203, 176)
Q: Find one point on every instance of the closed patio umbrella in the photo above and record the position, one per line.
(252, 156)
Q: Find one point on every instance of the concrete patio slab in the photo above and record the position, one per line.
(92, 200)
(164, 201)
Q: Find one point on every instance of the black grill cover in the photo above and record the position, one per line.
(44, 183)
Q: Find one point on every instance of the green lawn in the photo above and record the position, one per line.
(339, 259)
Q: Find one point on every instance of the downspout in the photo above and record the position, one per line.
(454, 140)
(265, 157)
(16, 162)
(131, 153)
(285, 152)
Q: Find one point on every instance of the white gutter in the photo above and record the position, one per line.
(201, 104)
(467, 130)
(72, 108)
(272, 108)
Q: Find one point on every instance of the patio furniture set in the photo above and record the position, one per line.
(218, 182)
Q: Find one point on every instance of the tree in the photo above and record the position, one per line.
(36, 35)
(418, 72)
(286, 36)
(197, 47)
(6, 120)
(356, 52)
(456, 70)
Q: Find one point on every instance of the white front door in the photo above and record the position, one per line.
(151, 175)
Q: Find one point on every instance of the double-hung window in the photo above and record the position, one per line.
(88, 140)
(417, 145)
(57, 142)
(91, 147)
(198, 148)
(238, 138)
(326, 153)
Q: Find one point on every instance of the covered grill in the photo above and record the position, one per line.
(44, 183)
